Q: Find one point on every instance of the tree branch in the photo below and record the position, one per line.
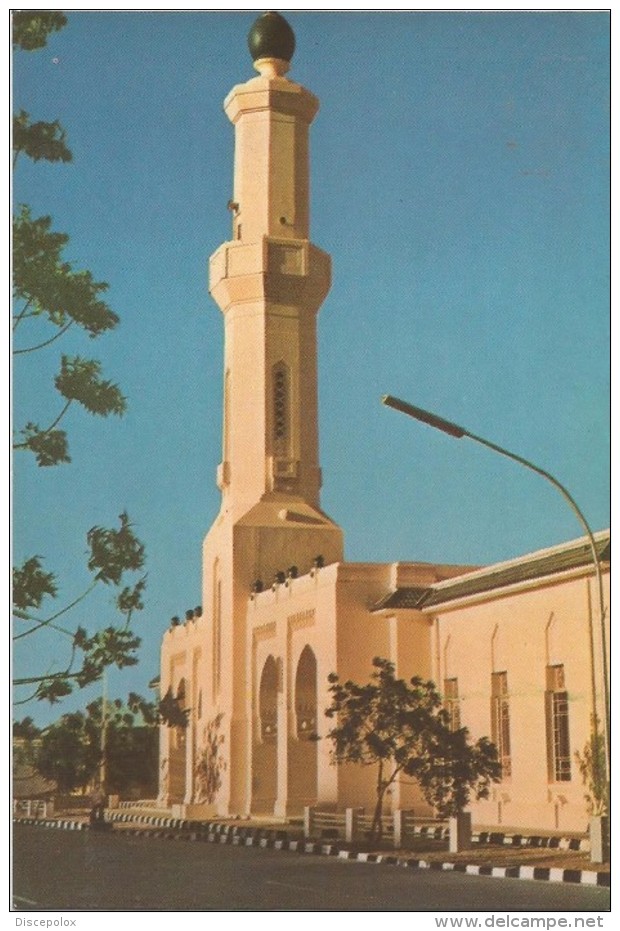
(19, 352)
(60, 416)
(22, 314)
(24, 701)
(62, 611)
(30, 680)
(39, 625)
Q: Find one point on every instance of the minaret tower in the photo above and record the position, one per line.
(269, 281)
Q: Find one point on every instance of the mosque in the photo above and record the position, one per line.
(517, 648)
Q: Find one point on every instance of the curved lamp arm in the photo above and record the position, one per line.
(454, 430)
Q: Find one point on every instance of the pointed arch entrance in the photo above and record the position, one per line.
(178, 751)
(265, 748)
(303, 747)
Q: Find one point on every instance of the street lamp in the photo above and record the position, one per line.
(454, 430)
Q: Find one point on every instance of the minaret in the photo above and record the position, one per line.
(269, 282)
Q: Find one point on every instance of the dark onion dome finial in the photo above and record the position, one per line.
(271, 37)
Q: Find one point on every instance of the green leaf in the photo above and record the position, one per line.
(31, 584)
(31, 28)
(113, 552)
(44, 279)
(49, 446)
(53, 689)
(39, 140)
(79, 380)
(130, 599)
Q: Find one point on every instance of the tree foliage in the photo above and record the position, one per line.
(52, 296)
(592, 763)
(401, 728)
(39, 140)
(113, 553)
(26, 729)
(32, 28)
(454, 769)
(70, 751)
(47, 288)
(171, 713)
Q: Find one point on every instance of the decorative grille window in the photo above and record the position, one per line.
(500, 720)
(281, 408)
(451, 702)
(558, 737)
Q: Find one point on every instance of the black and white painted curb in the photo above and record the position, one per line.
(245, 836)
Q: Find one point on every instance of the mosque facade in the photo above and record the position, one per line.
(515, 648)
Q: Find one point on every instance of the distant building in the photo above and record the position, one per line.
(515, 647)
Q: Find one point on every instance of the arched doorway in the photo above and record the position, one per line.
(177, 762)
(265, 748)
(302, 758)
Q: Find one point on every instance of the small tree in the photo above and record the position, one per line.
(401, 728)
(210, 765)
(382, 723)
(592, 767)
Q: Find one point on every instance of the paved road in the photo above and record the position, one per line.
(80, 871)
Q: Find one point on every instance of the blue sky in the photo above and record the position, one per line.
(460, 181)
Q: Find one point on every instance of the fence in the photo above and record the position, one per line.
(33, 808)
(353, 824)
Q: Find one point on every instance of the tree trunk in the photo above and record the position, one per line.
(376, 831)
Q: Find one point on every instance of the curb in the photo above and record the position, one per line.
(182, 830)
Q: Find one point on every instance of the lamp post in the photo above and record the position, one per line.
(454, 430)
(103, 763)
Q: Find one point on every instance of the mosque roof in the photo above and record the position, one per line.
(537, 565)
(403, 598)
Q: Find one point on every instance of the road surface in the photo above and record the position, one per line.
(83, 871)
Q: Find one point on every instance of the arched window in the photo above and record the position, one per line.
(306, 695)
(268, 700)
(179, 732)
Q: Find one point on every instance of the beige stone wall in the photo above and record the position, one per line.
(328, 612)
(522, 632)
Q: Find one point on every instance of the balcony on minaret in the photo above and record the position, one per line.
(276, 270)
